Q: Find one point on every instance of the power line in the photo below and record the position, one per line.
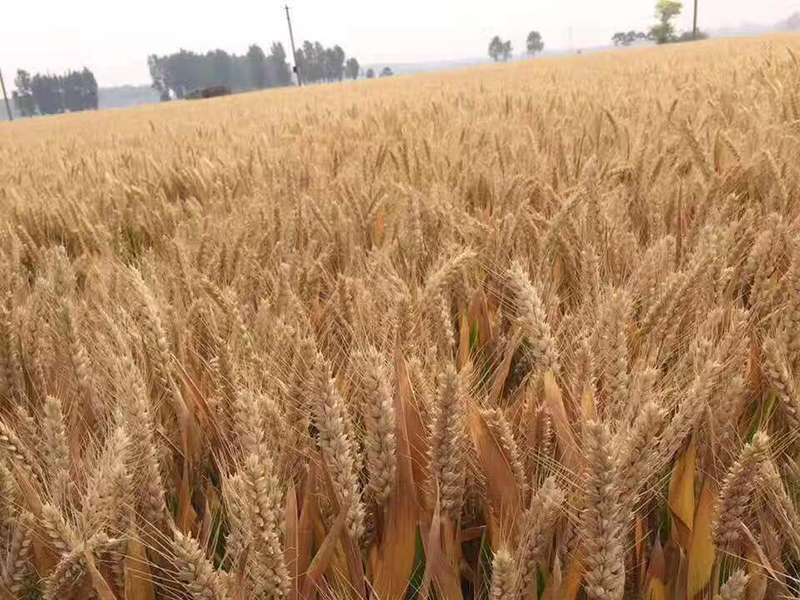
(294, 52)
(5, 97)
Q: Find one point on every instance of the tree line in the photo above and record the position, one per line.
(47, 94)
(663, 31)
(503, 50)
(178, 74)
(385, 72)
(318, 63)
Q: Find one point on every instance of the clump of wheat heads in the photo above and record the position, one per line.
(538, 332)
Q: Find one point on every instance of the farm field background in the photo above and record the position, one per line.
(518, 332)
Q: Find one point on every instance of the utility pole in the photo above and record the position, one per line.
(294, 52)
(5, 97)
(694, 28)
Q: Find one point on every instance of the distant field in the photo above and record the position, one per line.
(515, 332)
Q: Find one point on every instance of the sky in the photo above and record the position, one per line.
(113, 38)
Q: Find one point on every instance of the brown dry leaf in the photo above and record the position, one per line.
(185, 414)
(208, 517)
(640, 546)
(309, 516)
(681, 494)
(502, 486)
(99, 583)
(557, 272)
(656, 590)
(571, 582)
(588, 405)
(763, 561)
(138, 578)
(479, 314)
(463, 341)
(701, 553)
(324, 556)
(291, 540)
(657, 574)
(679, 586)
(503, 370)
(473, 533)
(756, 577)
(354, 567)
(43, 558)
(186, 515)
(754, 368)
(392, 559)
(415, 434)
(573, 458)
(439, 570)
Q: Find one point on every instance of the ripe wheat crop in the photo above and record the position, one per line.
(521, 332)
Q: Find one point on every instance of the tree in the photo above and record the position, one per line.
(52, 94)
(626, 38)
(688, 36)
(157, 75)
(71, 97)
(312, 63)
(663, 32)
(507, 50)
(534, 42)
(223, 71)
(257, 65)
(89, 90)
(496, 48)
(370, 74)
(337, 59)
(318, 63)
(46, 92)
(185, 71)
(352, 68)
(386, 72)
(279, 66)
(23, 97)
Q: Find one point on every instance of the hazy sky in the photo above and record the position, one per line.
(114, 37)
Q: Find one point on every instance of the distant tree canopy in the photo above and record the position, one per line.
(318, 63)
(500, 50)
(386, 72)
(791, 22)
(534, 43)
(52, 94)
(352, 68)
(689, 36)
(370, 73)
(626, 38)
(186, 71)
(663, 32)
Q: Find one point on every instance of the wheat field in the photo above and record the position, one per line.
(521, 332)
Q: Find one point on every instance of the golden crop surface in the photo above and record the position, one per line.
(518, 332)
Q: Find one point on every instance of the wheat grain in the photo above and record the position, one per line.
(538, 526)
(195, 571)
(504, 579)
(448, 444)
(734, 495)
(605, 567)
(379, 422)
(734, 588)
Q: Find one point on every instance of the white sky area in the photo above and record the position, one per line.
(113, 37)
